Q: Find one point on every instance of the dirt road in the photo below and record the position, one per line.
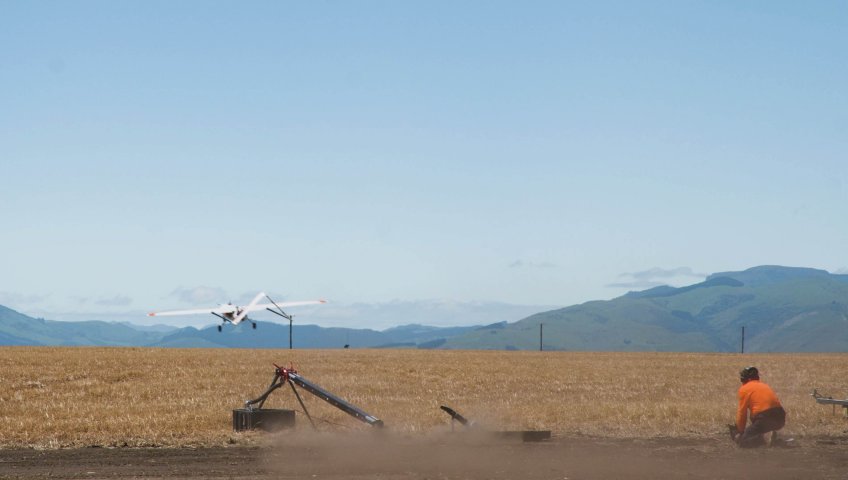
(445, 457)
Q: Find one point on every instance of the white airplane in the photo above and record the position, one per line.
(236, 314)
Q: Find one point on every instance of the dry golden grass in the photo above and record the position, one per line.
(64, 397)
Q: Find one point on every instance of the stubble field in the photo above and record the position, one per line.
(141, 397)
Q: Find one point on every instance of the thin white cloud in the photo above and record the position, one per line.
(635, 285)
(200, 295)
(80, 300)
(655, 277)
(657, 273)
(116, 301)
(531, 264)
(20, 299)
(841, 271)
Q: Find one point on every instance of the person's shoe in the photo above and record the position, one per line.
(780, 442)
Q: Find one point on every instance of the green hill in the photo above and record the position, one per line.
(19, 329)
(783, 309)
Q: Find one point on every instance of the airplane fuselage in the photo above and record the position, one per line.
(231, 316)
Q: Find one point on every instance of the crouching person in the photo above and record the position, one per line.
(767, 415)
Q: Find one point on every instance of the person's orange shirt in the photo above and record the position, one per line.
(757, 397)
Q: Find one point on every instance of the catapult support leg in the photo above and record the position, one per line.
(271, 388)
(303, 406)
(261, 399)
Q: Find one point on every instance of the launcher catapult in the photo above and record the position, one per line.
(253, 416)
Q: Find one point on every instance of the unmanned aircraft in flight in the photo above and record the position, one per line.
(235, 314)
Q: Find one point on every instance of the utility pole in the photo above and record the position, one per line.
(743, 341)
(283, 314)
(541, 327)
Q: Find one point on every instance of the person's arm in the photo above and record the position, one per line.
(742, 411)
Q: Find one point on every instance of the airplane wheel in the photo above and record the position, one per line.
(254, 326)
(219, 328)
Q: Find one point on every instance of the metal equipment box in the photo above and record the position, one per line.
(266, 419)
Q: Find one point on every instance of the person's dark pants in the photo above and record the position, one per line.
(771, 420)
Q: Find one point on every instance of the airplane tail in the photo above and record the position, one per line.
(243, 314)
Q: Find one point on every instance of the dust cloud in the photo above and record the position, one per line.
(466, 454)
(387, 454)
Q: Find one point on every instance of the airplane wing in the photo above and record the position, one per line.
(263, 306)
(254, 306)
(222, 309)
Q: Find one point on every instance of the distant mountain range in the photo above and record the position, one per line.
(783, 309)
(19, 329)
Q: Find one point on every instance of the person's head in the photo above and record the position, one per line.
(749, 373)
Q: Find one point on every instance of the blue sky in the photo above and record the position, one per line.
(163, 154)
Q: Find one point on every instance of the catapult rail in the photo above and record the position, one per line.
(290, 376)
(335, 401)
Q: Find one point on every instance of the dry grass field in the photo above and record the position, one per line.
(76, 397)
